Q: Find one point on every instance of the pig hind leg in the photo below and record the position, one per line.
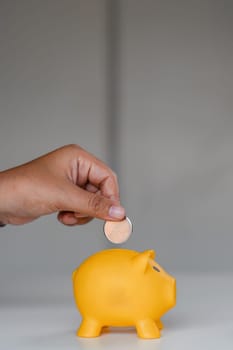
(147, 329)
(89, 328)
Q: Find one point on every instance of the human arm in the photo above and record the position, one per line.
(69, 181)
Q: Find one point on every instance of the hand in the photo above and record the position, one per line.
(69, 181)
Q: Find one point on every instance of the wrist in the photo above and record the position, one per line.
(3, 219)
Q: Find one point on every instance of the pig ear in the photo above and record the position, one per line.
(73, 275)
(141, 260)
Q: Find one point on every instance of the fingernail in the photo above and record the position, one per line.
(116, 212)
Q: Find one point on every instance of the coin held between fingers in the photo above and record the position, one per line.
(118, 231)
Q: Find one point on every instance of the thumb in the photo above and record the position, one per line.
(93, 204)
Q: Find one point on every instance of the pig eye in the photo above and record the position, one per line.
(156, 268)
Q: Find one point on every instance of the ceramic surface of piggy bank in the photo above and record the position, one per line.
(119, 287)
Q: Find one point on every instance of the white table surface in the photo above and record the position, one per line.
(202, 319)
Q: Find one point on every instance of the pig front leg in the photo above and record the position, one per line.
(147, 329)
(89, 328)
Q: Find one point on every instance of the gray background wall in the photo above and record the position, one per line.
(176, 129)
(166, 99)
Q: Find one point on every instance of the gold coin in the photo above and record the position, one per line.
(118, 231)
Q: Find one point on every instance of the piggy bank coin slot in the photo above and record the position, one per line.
(156, 268)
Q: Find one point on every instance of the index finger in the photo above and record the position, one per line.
(95, 172)
(105, 180)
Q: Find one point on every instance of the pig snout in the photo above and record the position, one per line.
(172, 292)
(169, 294)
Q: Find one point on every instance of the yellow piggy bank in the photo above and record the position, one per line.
(119, 287)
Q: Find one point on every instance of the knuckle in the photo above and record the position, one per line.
(73, 147)
(112, 175)
(115, 176)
